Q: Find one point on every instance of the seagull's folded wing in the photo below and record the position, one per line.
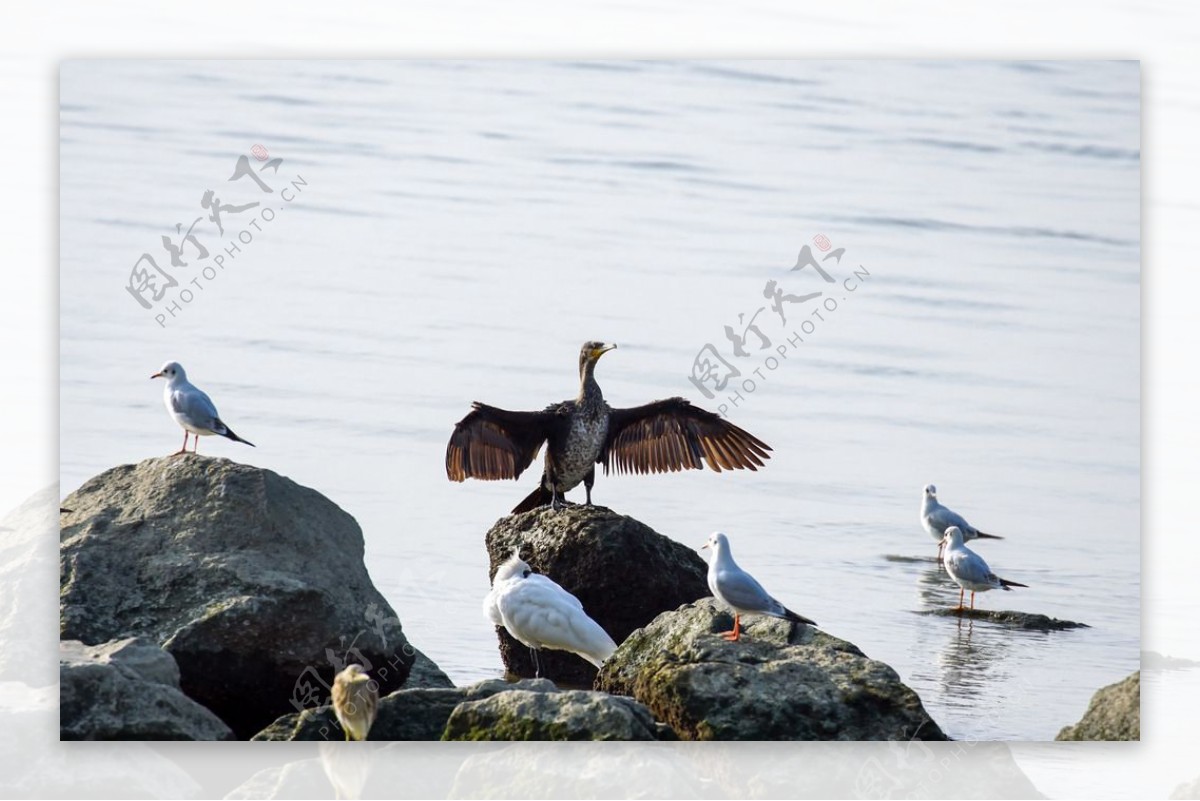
(671, 435)
(542, 613)
(196, 407)
(742, 591)
(942, 518)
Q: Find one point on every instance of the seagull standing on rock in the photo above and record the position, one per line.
(739, 590)
(968, 569)
(539, 614)
(191, 408)
(937, 518)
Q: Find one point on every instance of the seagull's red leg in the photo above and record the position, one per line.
(733, 636)
(195, 442)
(940, 546)
(183, 448)
(972, 600)
(960, 598)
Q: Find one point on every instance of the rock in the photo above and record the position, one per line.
(426, 675)
(1153, 660)
(1186, 790)
(779, 682)
(27, 608)
(255, 584)
(1016, 620)
(1113, 714)
(553, 714)
(622, 571)
(128, 690)
(417, 714)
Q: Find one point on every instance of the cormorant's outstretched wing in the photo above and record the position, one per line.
(492, 444)
(671, 435)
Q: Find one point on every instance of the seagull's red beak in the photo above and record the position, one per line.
(157, 375)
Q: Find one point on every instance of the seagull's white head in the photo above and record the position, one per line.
(930, 491)
(171, 371)
(513, 567)
(718, 542)
(953, 537)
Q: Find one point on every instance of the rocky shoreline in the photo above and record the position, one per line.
(204, 599)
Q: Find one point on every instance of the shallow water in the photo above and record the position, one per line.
(457, 229)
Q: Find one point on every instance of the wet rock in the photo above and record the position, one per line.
(417, 714)
(552, 714)
(253, 583)
(128, 690)
(622, 571)
(1016, 620)
(1113, 714)
(779, 682)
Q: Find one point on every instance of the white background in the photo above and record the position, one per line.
(1163, 36)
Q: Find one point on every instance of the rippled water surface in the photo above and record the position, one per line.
(455, 230)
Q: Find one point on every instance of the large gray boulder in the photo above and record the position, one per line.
(27, 609)
(553, 714)
(411, 714)
(622, 571)
(779, 682)
(253, 583)
(128, 690)
(1113, 714)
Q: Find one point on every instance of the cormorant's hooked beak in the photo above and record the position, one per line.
(603, 349)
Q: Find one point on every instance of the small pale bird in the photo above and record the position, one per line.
(968, 569)
(355, 701)
(739, 590)
(539, 614)
(936, 518)
(191, 408)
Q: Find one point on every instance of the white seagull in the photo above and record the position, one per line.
(539, 613)
(968, 569)
(191, 408)
(937, 518)
(739, 590)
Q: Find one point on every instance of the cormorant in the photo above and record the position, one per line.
(662, 436)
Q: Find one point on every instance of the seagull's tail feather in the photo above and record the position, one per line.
(539, 497)
(985, 536)
(1008, 585)
(795, 618)
(228, 432)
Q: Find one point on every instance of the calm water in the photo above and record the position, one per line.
(456, 230)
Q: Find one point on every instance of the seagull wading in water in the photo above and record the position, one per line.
(191, 408)
(968, 569)
(539, 614)
(937, 518)
(659, 437)
(739, 590)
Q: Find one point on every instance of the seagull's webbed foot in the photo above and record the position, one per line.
(735, 634)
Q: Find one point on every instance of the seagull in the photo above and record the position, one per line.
(738, 589)
(355, 701)
(936, 518)
(191, 408)
(539, 613)
(968, 569)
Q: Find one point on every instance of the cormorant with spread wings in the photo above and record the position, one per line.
(659, 437)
